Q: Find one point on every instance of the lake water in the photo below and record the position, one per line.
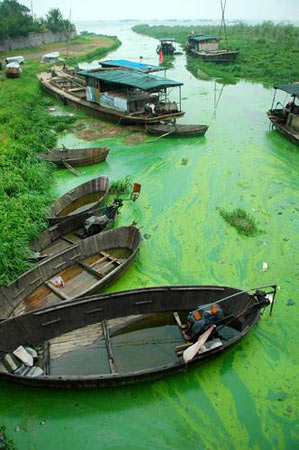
(248, 397)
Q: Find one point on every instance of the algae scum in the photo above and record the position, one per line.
(247, 397)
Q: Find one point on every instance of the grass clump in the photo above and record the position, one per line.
(241, 220)
(5, 443)
(122, 186)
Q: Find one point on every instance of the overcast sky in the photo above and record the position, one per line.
(169, 9)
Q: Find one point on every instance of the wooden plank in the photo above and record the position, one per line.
(46, 358)
(98, 261)
(57, 291)
(69, 241)
(109, 348)
(90, 269)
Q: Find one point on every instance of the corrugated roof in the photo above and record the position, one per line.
(141, 67)
(292, 89)
(133, 79)
(202, 37)
(167, 39)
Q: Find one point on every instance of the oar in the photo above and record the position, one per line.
(192, 351)
(163, 135)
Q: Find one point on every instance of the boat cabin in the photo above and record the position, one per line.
(131, 92)
(201, 42)
(167, 46)
(285, 118)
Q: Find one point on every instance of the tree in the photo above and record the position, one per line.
(14, 19)
(55, 20)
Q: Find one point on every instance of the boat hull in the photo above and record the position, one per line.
(177, 130)
(291, 134)
(85, 197)
(52, 322)
(219, 57)
(76, 157)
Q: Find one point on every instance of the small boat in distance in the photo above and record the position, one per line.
(76, 157)
(13, 70)
(87, 196)
(84, 268)
(167, 46)
(125, 337)
(286, 118)
(177, 130)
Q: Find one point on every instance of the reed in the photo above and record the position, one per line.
(241, 220)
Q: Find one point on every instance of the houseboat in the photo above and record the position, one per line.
(131, 65)
(167, 46)
(207, 48)
(123, 96)
(286, 118)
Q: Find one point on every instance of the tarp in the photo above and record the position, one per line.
(51, 56)
(167, 39)
(141, 67)
(202, 37)
(17, 59)
(292, 89)
(133, 79)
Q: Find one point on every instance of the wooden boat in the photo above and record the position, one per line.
(167, 45)
(95, 341)
(286, 119)
(86, 267)
(66, 233)
(85, 197)
(76, 157)
(125, 104)
(177, 130)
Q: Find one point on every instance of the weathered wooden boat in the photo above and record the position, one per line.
(286, 118)
(118, 95)
(87, 267)
(76, 157)
(125, 337)
(85, 197)
(177, 130)
(72, 230)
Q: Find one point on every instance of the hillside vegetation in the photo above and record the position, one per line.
(269, 52)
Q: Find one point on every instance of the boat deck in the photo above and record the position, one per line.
(84, 274)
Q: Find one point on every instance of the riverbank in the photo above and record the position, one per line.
(268, 53)
(26, 128)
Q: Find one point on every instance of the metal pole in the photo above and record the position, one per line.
(274, 97)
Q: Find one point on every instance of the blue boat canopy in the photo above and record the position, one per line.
(124, 63)
(132, 79)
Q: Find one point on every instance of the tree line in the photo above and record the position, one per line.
(17, 20)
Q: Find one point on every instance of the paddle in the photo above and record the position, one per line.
(163, 135)
(192, 351)
(67, 165)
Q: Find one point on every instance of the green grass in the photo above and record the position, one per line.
(241, 220)
(269, 53)
(26, 182)
(122, 186)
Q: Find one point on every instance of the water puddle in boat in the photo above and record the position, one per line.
(139, 344)
(81, 204)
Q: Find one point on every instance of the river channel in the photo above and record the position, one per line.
(247, 397)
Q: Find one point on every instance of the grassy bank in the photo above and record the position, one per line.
(269, 53)
(25, 182)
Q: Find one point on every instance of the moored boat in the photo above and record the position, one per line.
(207, 48)
(87, 267)
(85, 197)
(13, 70)
(126, 337)
(286, 118)
(76, 157)
(167, 46)
(123, 96)
(177, 130)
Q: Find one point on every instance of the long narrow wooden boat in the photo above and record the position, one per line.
(70, 231)
(76, 157)
(177, 130)
(72, 91)
(85, 197)
(95, 341)
(86, 267)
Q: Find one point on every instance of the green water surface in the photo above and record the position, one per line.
(248, 397)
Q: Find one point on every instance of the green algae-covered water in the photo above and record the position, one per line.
(247, 397)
